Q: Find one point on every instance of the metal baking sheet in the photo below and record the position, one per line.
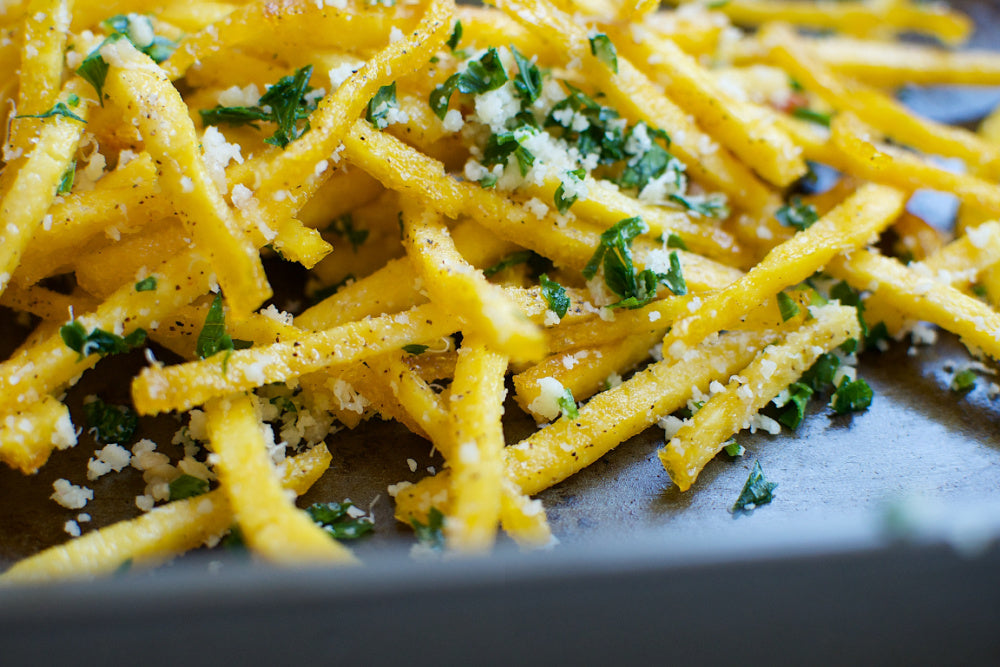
(636, 557)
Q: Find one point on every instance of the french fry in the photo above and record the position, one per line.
(29, 434)
(850, 225)
(29, 188)
(730, 410)
(922, 298)
(449, 279)
(156, 536)
(476, 404)
(271, 525)
(135, 82)
(569, 445)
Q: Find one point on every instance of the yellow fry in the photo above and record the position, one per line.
(584, 372)
(852, 224)
(730, 410)
(29, 188)
(186, 385)
(158, 535)
(567, 446)
(134, 83)
(50, 365)
(741, 127)
(476, 404)
(894, 166)
(272, 526)
(46, 304)
(124, 199)
(854, 17)
(29, 434)
(524, 519)
(922, 298)
(451, 281)
(40, 75)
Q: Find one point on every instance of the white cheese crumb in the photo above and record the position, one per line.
(72, 527)
(393, 489)
(412, 464)
(71, 496)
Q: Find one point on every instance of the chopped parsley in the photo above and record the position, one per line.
(567, 405)
(344, 227)
(820, 375)
(604, 50)
(614, 253)
(513, 259)
(338, 520)
(99, 341)
(213, 337)
(711, 206)
(430, 534)
(555, 296)
(644, 167)
(480, 76)
(756, 492)
(187, 486)
(380, 105)
(415, 348)
(67, 178)
(110, 423)
(796, 214)
(58, 109)
(456, 36)
(788, 306)
(851, 396)
(794, 410)
(963, 381)
(499, 147)
(528, 82)
(285, 104)
(94, 69)
(675, 241)
(147, 284)
(603, 134)
(561, 199)
(813, 116)
(733, 448)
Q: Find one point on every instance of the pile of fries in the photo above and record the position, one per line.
(554, 193)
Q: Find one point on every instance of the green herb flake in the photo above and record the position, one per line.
(430, 534)
(733, 449)
(187, 486)
(756, 492)
(513, 259)
(561, 199)
(480, 76)
(567, 405)
(67, 179)
(344, 227)
(604, 50)
(675, 241)
(528, 82)
(788, 306)
(963, 381)
(456, 36)
(213, 337)
(415, 348)
(796, 214)
(794, 411)
(555, 296)
(339, 520)
(147, 284)
(110, 423)
(380, 105)
(94, 69)
(58, 109)
(710, 206)
(817, 117)
(820, 376)
(851, 396)
(98, 341)
(285, 104)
